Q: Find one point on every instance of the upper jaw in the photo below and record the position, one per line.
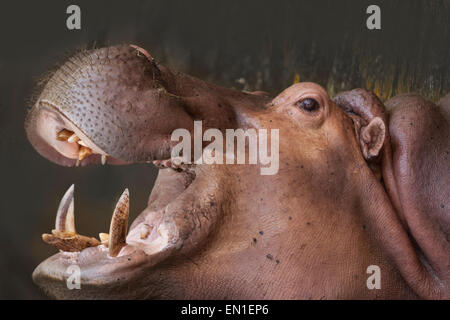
(45, 127)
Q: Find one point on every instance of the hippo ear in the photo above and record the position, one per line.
(369, 117)
(372, 138)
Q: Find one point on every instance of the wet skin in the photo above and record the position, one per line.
(357, 185)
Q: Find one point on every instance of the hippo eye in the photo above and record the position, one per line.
(308, 104)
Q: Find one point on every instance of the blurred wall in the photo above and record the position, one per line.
(252, 45)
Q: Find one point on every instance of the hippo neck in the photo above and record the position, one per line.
(384, 223)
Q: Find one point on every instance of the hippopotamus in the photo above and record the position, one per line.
(361, 185)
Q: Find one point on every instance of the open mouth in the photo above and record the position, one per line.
(159, 230)
(147, 233)
(116, 106)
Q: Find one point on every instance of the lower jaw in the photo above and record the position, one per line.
(96, 269)
(143, 249)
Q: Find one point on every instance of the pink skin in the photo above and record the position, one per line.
(225, 231)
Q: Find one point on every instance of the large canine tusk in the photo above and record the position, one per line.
(65, 219)
(64, 236)
(119, 224)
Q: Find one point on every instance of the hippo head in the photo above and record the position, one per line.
(309, 229)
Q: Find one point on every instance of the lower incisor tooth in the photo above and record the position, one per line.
(104, 238)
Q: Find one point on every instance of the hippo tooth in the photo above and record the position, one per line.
(64, 236)
(104, 238)
(81, 143)
(64, 135)
(84, 152)
(73, 138)
(65, 219)
(104, 159)
(119, 224)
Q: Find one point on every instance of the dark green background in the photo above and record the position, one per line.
(264, 42)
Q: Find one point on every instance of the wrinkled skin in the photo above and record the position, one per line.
(359, 184)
